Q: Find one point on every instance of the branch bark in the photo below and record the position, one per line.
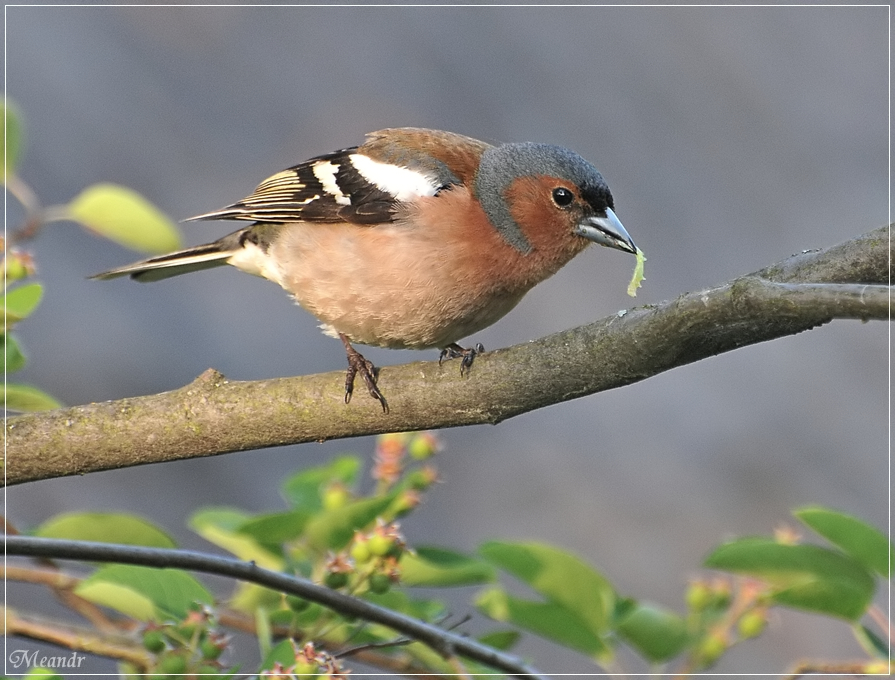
(213, 415)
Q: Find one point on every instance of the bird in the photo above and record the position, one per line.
(414, 239)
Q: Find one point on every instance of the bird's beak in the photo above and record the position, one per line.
(607, 231)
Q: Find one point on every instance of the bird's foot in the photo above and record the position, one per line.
(358, 365)
(454, 351)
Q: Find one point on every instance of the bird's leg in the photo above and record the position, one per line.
(358, 364)
(454, 351)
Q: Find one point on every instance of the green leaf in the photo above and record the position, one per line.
(250, 597)
(803, 576)
(221, 526)
(282, 653)
(547, 619)
(29, 399)
(13, 357)
(229, 519)
(124, 216)
(275, 528)
(43, 674)
(105, 527)
(120, 598)
(865, 543)
(302, 490)
(560, 577)
(263, 631)
(333, 529)
(432, 566)
(503, 640)
(19, 302)
(143, 592)
(13, 139)
(658, 634)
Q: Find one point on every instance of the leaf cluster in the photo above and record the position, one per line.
(107, 210)
(336, 536)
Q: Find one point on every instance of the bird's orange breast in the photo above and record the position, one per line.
(399, 285)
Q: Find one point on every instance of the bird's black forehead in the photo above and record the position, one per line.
(598, 197)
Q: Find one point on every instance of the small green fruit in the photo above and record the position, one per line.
(336, 579)
(721, 599)
(211, 650)
(335, 496)
(154, 641)
(360, 552)
(379, 545)
(419, 480)
(305, 668)
(380, 583)
(172, 664)
(752, 624)
(699, 596)
(15, 269)
(423, 446)
(711, 649)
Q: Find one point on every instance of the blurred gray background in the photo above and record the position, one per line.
(732, 137)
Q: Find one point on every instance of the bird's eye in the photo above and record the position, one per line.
(563, 197)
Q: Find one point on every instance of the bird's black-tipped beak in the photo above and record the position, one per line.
(607, 231)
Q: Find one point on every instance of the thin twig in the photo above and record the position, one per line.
(444, 642)
(227, 618)
(459, 668)
(33, 211)
(879, 617)
(77, 638)
(857, 668)
(245, 623)
(63, 586)
(387, 644)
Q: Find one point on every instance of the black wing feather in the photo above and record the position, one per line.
(297, 194)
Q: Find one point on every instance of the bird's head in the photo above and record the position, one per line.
(532, 192)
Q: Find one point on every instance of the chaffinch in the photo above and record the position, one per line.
(415, 239)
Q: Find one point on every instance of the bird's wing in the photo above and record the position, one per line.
(310, 192)
(361, 185)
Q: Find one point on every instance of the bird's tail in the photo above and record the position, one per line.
(173, 264)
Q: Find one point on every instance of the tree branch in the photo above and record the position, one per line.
(77, 638)
(92, 639)
(444, 642)
(213, 415)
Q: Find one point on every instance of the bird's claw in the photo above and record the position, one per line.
(454, 351)
(359, 365)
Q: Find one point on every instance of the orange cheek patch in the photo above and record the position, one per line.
(548, 228)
